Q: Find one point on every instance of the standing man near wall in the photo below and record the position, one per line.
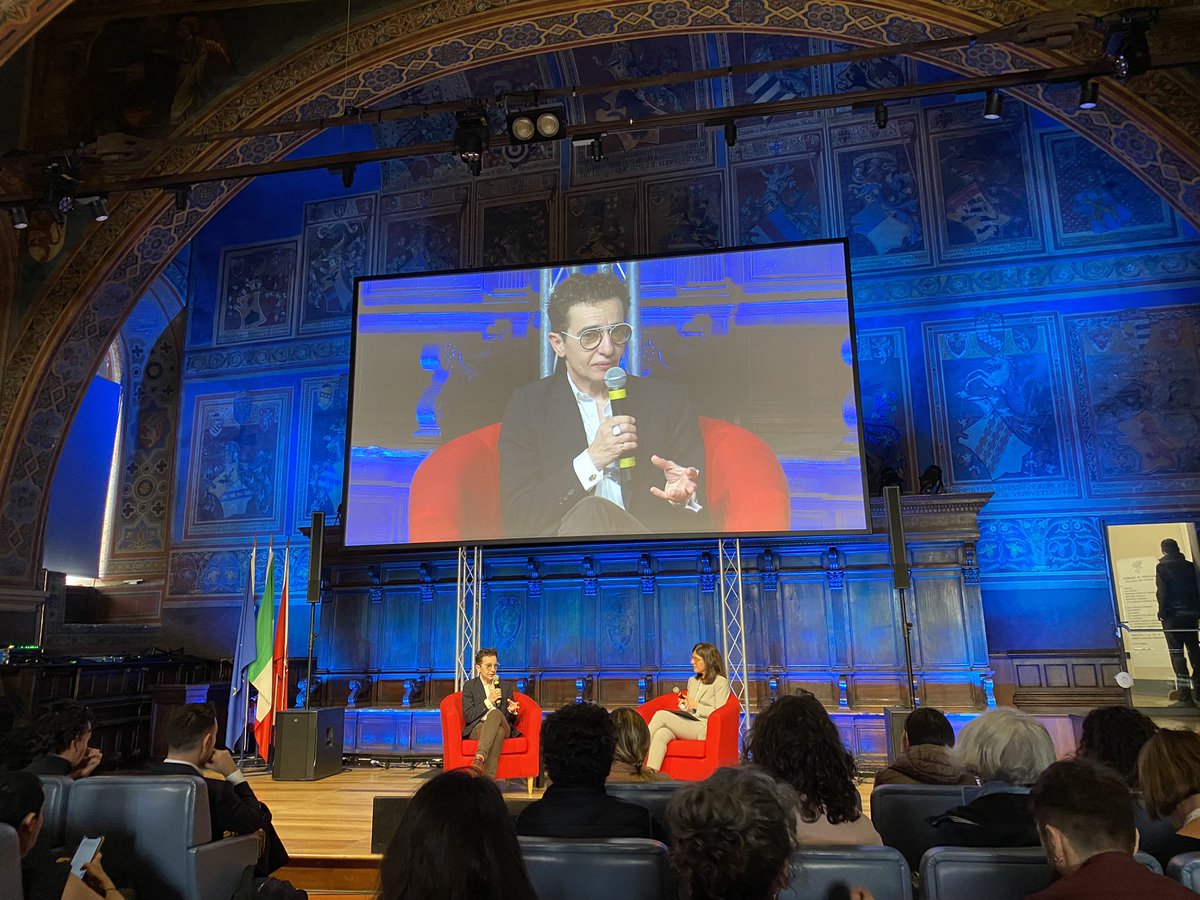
(1179, 612)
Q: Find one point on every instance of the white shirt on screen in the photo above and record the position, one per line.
(605, 483)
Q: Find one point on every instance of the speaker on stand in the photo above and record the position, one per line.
(901, 579)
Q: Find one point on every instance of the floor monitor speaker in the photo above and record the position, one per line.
(308, 743)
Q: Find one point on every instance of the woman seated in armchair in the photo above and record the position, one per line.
(707, 691)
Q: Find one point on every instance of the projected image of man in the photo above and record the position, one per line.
(571, 464)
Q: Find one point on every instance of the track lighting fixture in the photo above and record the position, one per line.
(596, 150)
(1089, 95)
(181, 194)
(992, 104)
(97, 207)
(881, 116)
(20, 218)
(730, 133)
(348, 176)
(471, 138)
(533, 125)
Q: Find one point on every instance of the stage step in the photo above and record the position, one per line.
(348, 878)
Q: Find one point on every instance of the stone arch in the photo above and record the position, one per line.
(84, 301)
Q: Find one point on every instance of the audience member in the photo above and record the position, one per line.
(1084, 814)
(577, 753)
(1169, 772)
(21, 800)
(17, 748)
(795, 741)
(455, 842)
(61, 743)
(191, 735)
(1114, 736)
(1006, 750)
(924, 752)
(707, 691)
(632, 743)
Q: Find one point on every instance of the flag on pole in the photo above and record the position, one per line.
(279, 665)
(243, 654)
(261, 673)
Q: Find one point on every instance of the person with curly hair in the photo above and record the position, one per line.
(577, 754)
(1169, 772)
(1114, 736)
(707, 691)
(61, 737)
(455, 842)
(795, 741)
(632, 737)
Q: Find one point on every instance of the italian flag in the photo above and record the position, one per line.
(261, 672)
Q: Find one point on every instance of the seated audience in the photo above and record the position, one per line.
(924, 752)
(577, 753)
(1084, 816)
(455, 842)
(1169, 772)
(191, 735)
(707, 691)
(17, 748)
(1114, 736)
(795, 741)
(1006, 750)
(733, 836)
(61, 743)
(632, 743)
(43, 878)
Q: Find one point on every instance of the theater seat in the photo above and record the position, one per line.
(601, 869)
(157, 836)
(1185, 868)
(455, 492)
(881, 870)
(899, 813)
(964, 873)
(10, 859)
(54, 811)
(654, 795)
(696, 760)
(520, 757)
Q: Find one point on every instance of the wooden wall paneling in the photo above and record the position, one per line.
(873, 607)
(618, 623)
(398, 637)
(814, 635)
(939, 620)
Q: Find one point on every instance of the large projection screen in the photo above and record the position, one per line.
(472, 396)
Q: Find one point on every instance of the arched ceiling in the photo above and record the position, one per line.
(1153, 125)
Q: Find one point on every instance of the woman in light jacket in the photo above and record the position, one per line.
(707, 691)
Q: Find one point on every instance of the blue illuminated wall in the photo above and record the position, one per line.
(1027, 314)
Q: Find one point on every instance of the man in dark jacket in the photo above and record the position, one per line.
(62, 736)
(233, 808)
(925, 752)
(1179, 612)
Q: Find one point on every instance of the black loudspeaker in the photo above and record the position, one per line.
(897, 552)
(308, 743)
(386, 813)
(316, 540)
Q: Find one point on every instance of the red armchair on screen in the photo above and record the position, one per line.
(455, 493)
(696, 760)
(519, 757)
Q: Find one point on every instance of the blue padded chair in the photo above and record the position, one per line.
(881, 870)
(952, 873)
(628, 868)
(654, 795)
(899, 813)
(157, 836)
(1185, 868)
(10, 862)
(54, 811)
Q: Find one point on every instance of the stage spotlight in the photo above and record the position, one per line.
(348, 176)
(97, 206)
(20, 218)
(730, 133)
(533, 125)
(596, 150)
(992, 104)
(881, 116)
(471, 138)
(1089, 95)
(181, 194)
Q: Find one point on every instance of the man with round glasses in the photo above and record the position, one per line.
(561, 445)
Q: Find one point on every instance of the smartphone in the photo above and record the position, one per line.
(88, 848)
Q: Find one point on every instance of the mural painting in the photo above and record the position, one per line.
(417, 238)
(779, 189)
(684, 214)
(602, 224)
(885, 405)
(338, 237)
(322, 449)
(257, 292)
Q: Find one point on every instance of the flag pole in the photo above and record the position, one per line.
(245, 676)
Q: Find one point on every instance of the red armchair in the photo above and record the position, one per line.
(520, 757)
(696, 760)
(455, 493)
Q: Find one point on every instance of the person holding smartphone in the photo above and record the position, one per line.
(42, 878)
(707, 691)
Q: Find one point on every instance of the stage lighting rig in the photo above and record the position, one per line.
(533, 125)
(472, 138)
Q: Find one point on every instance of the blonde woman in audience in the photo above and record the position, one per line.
(1169, 772)
(632, 743)
(796, 742)
(1005, 750)
(707, 691)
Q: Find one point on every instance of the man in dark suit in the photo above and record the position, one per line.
(192, 750)
(1179, 612)
(561, 446)
(489, 711)
(62, 736)
(577, 751)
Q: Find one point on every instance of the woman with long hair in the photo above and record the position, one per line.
(456, 842)
(795, 741)
(631, 744)
(707, 691)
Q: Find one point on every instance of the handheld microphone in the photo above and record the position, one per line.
(614, 380)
